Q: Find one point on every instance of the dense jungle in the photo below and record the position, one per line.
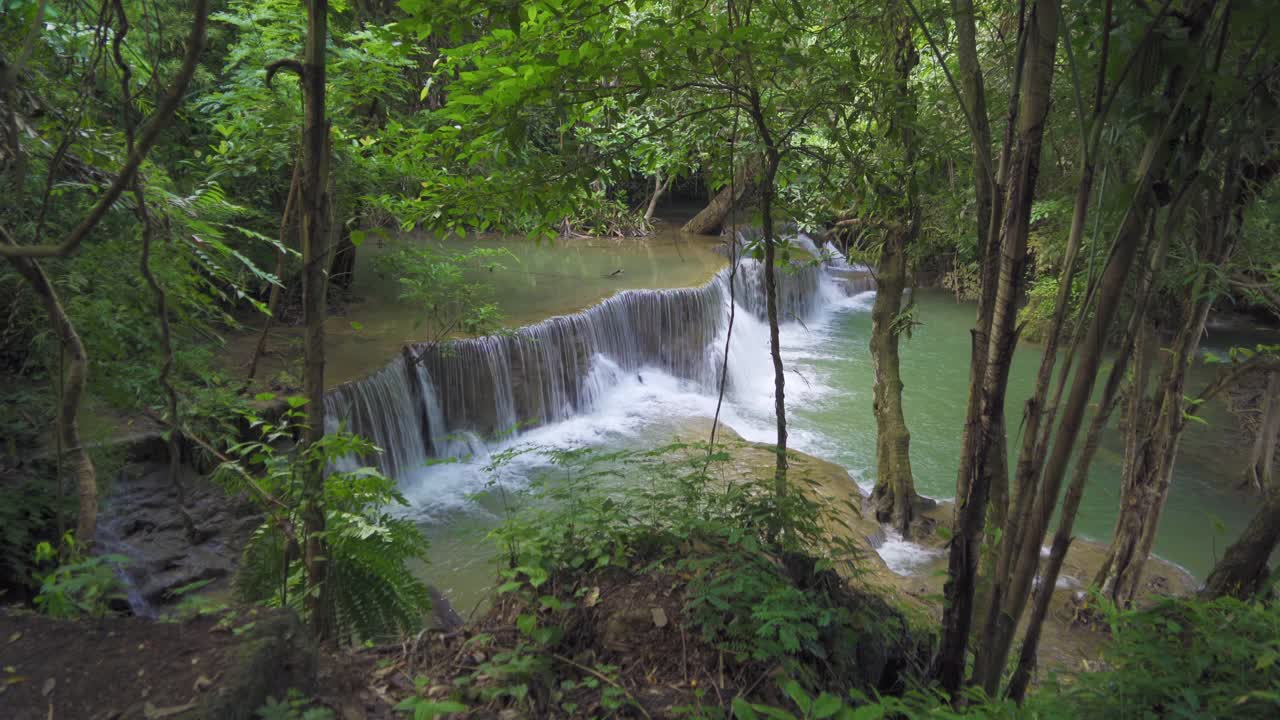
(725, 359)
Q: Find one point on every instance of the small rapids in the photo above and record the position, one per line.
(615, 374)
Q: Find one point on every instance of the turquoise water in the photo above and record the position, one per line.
(829, 380)
(1204, 511)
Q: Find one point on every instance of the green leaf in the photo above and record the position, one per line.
(527, 624)
(742, 710)
(798, 695)
(825, 706)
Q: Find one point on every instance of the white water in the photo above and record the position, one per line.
(615, 375)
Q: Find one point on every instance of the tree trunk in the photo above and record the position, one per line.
(1243, 570)
(287, 229)
(659, 187)
(894, 496)
(1258, 472)
(315, 240)
(980, 433)
(73, 384)
(1152, 446)
(1021, 556)
(1062, 539)
(976, 101)
(771, 303)
(342, 270)
(711, 218)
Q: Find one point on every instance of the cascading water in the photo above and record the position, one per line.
(435, 401)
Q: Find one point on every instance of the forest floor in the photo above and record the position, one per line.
(634, 626)
(114, 667)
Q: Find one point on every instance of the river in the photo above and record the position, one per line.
(635, 390)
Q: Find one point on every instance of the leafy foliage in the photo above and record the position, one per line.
(372, 591)
(1187, 658)
(443, 285)
(78, 585)
(753, 588)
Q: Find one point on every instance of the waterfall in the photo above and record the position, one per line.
(438, 400)
(836, 255)
(387, 407)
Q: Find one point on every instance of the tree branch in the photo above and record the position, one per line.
(1229, 377)
(161, 119)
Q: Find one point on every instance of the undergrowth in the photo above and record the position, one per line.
(668, 583)
(371, 594)
(624, 561)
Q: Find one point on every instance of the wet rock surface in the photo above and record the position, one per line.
(141, 521)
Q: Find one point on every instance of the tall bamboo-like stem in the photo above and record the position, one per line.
(1075, 491)
(984, 429)
(999, 635)
(1030, 458)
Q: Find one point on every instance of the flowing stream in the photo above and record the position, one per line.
(628, 370)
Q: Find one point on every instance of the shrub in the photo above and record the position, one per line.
(371, 592)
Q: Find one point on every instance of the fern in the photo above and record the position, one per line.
(371, 592)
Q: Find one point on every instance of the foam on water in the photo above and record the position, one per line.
(903, 556)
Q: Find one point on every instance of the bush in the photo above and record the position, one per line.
(1186, 658)
(758, 571)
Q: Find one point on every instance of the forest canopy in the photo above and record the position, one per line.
(189, 185)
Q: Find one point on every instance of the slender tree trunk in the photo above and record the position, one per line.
(1154, 443)
(894, 496)
(711, 218)
(1023, 557)
(987, 180)
(1272, 433)
(980, 435)
(287, 228)
(659, 188)
(771, 303)
(976, 100)
(1080, 474)
(315, 215)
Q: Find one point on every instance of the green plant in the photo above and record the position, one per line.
(1186, 658)
(442, 283)
(29, 510)
(77, 585)
(777, 606)
(422, 707)
(372, 592)
(295, 706)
